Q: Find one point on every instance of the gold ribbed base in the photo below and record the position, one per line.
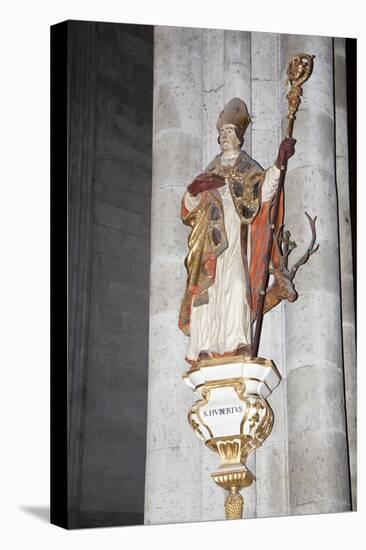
(232, 479)
(238, 478)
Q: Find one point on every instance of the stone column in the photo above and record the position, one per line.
(227, 74)
(271, 458)
(237, 73)
(237, 83)
(345, 243)
(213, 102)
(317, 439)
(173, 468)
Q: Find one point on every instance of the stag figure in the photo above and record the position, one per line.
(282, 287)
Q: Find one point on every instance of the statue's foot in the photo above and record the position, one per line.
(244, 349)
(204, 355)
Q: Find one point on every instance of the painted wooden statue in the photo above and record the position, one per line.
(227, 208)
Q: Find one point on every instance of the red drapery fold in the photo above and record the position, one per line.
(260, 233)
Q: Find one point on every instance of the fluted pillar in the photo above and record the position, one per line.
(237, 83)
(227, 74)
(345, 243)
(173, 467)
(317, 439)
(196, 72)
(213, 100)
(303, 467)
(271, 458)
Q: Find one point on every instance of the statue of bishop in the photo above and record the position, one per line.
(227, 208)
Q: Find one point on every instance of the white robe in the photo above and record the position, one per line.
(224, 322)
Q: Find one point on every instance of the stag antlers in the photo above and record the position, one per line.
(283, 252)
(310, 250)
(282, 287)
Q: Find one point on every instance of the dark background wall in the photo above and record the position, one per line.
(110, 137)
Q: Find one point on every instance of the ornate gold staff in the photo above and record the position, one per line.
(299, 70)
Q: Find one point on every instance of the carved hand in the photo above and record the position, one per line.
(285, 151)
(205, 182)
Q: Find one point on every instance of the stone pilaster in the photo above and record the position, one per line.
(173, 468)
(227, 74)
(213, 101)
(213, 89)
(271, 458)
(237, 72)
(345, 243)
(317, 439)
(303, 466)
(237, 83)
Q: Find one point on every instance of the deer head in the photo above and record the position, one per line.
(283, 287)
